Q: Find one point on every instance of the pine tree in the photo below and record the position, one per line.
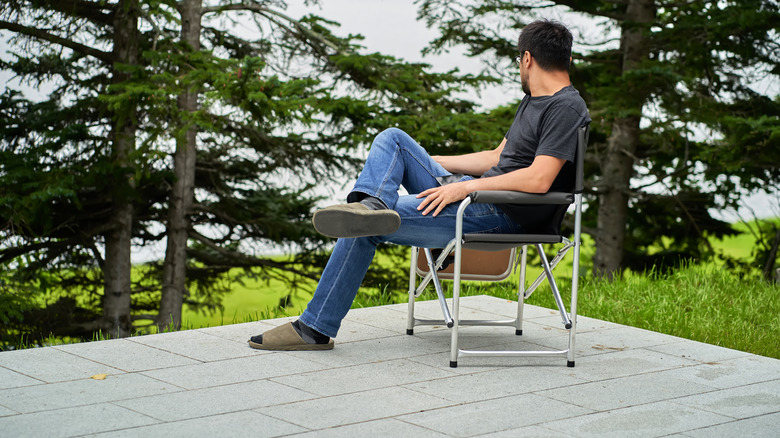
(671, 106)
(217, 139)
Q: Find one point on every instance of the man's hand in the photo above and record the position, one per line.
(439, 197)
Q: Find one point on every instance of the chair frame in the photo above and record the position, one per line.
(493, 242)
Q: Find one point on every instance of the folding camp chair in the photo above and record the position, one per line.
(496, 264)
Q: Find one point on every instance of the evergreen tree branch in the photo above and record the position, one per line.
(106, 57)
(265, 11)
(92, 11)
(241, 260)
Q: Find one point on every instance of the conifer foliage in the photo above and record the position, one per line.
(209, 126)
(683, 97)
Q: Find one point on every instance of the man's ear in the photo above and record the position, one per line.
(530, 58)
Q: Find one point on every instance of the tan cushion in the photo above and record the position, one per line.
(476, 265)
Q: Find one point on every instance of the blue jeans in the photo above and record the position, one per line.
(394, 160)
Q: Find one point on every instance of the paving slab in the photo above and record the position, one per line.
(260, 366)
(378, 381)
(740, 371)
(387, 318)
(51, 365)
(739, 402)
(386, 427)
(525, 432)
(4, 412)
(647, 420)
(764, 426)
(126, 355)
(494, 415)
(354, 408)
(498, 383)
(363, 377)
(70, 422)
(244, 424)
(621, 392)
(194, 344)
(240, 333)
(370, 350)
(12, 379)
(212, 401)
(698, 351)
(82, 392)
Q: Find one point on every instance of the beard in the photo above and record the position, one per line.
(524, 83)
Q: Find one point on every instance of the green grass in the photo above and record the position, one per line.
(697, 302)
(249, 300)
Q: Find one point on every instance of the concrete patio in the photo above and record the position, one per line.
(380, 382)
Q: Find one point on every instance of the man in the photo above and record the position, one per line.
(535, 156)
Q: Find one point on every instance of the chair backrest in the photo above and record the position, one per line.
(579, 178)
(579, 160)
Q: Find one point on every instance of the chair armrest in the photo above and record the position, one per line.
(511, 197)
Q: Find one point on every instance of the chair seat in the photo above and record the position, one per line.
(498, 242)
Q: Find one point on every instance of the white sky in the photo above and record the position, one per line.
(390, 27)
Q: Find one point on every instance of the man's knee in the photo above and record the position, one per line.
(389, 136)
(392, 132)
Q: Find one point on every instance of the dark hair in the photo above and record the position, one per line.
(549, 42)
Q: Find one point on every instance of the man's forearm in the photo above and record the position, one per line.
(475, 163)
(537, 178)
(469, 164)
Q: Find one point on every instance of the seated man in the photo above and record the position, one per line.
(536, 156)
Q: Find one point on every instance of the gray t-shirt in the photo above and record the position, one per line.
(543, 125)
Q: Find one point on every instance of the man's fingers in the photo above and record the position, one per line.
(429, 196)
(431, 203)
(424, 202)
(435, 207)
(435, 200)
(437, 204)
(427, 192)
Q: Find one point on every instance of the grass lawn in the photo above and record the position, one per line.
(249, 300)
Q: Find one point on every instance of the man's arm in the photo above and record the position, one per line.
(475, 163)
(536, 178)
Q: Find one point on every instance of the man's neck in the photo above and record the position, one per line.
(549, 83)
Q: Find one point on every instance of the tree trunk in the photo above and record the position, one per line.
(769, 266)
(617, 165)
(117, 269)
(175, 267)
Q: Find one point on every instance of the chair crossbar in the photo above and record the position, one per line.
(554, 287)
(433, 267)
(432, 270)
(510, 240)
(553, 263)
(503, 353)
(472, 322)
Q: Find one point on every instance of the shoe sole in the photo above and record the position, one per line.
(348, 224)
(303, 347)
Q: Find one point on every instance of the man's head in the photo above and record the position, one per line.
(549, 42)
